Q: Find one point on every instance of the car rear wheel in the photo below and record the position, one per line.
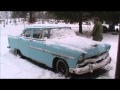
(62, 67)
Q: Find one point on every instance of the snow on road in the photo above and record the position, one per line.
(113, 41)
(15, 67)
(12, 66)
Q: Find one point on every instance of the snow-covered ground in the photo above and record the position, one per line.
(12, 66)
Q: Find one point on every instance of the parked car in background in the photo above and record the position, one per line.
(89, 27)
(58, 47)
(111, 27)
(105, 27)
(117, 27)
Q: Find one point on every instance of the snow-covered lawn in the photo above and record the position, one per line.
(12, 66)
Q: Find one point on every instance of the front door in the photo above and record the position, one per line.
(38, 49)
(24, 42)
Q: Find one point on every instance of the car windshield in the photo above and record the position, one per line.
(61, 32)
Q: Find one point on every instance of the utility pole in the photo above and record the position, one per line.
(117, 72)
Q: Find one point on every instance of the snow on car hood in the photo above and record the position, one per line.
(74, 42)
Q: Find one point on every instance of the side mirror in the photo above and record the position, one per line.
(22, 34)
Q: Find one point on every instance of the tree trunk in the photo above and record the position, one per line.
(7, 17)
(80, 23)
(30, 18)
(80, 26)
(117, 72)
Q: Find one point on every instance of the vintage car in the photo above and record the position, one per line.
(60, 48)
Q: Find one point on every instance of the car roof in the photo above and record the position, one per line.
(46, 26)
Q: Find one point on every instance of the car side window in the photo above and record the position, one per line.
(46, 33)
(37, 33)
(27, 33)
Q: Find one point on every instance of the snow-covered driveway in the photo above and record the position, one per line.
(12, 66)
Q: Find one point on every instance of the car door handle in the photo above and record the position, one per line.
(31, 40)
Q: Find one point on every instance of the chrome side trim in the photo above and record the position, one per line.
(56, 54)
(41, 39)
(27, 38)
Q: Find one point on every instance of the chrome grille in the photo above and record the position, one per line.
(95, 59)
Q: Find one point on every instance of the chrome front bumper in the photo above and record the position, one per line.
(91, 67)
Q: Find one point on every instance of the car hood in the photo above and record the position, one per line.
(84, 45)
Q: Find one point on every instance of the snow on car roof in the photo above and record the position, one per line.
(47, 26)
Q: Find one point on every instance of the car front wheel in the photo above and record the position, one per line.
(62, 68)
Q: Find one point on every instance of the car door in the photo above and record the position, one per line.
(38, 49)
(36, 45)
(24, 42)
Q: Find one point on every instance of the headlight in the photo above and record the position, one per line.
(81, 58)
(108, 49)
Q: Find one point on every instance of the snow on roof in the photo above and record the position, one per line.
(47, 26)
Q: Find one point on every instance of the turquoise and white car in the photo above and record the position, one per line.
(60, 48)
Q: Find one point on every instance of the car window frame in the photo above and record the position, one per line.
(39, 37)
(23, 34)
(48, 31)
